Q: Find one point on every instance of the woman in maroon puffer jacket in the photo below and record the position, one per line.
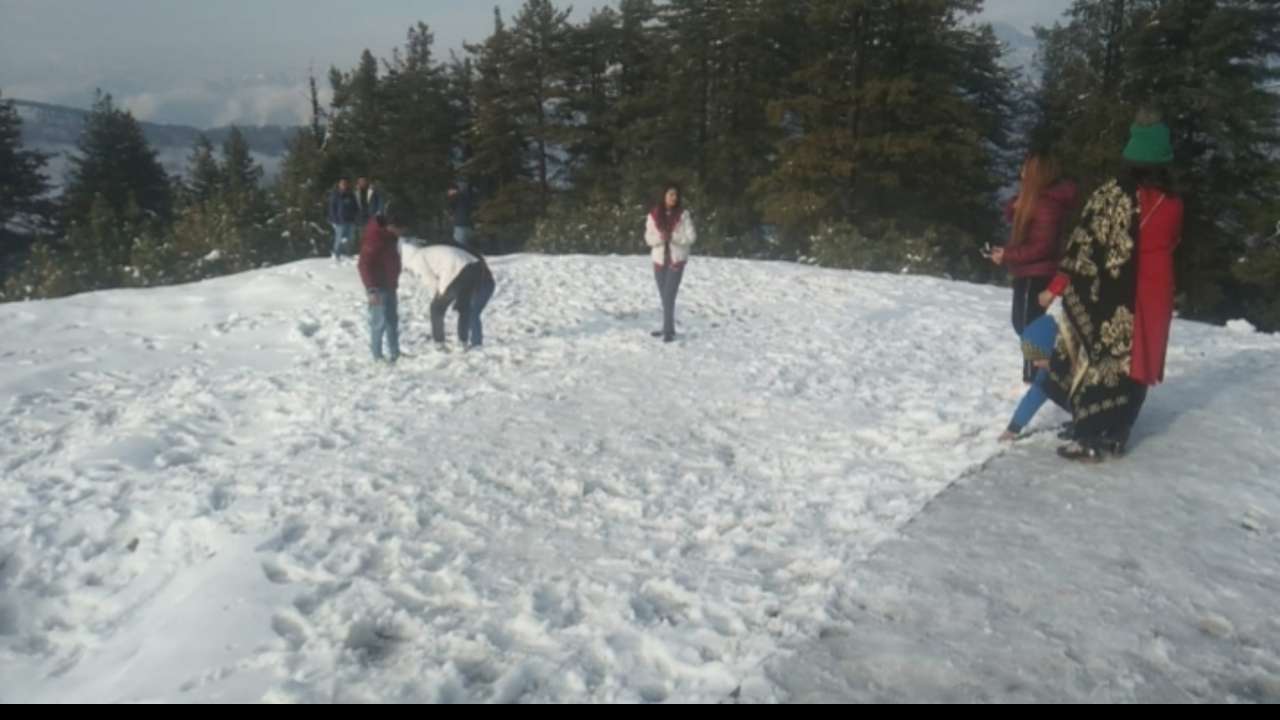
(1044, 203)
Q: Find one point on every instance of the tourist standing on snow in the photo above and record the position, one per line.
(461, 201)
(1117, 288)
(1044, 202)
(670, 234)
(369, 201)
(343, 214)
(380, 272)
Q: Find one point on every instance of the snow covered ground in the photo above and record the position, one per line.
(209, 493)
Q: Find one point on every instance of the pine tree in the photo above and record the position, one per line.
(461, 93)
(116, 163)
(538, 82)
(591, 53)
(204, 174)
(317, 112)
(414, 163)
(355, 126)
(640, 105)
(243, 174)
(496, 169)
(23, 187)
(893, 125)
(616, 94)
(300, 192)
(23, 184)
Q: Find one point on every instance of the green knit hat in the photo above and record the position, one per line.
(1149, 145)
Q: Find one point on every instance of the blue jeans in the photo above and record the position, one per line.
(384, 319)
(343, 234)
(462, 235)
(1031, 403)
(470, 329)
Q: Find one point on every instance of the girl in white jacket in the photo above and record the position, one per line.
(670, 234)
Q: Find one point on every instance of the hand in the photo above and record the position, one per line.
(1007, 437)
(1046, 299)
(375, 297)
(997, 256)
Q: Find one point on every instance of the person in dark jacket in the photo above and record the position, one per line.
(1043, 205)
(380, 272)
(368, 201)
(461, 203)
(344, 212)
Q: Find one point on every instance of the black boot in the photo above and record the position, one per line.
(1083, 452)
(1117, 443)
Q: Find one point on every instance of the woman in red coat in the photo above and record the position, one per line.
(1118, 289)
(1158, 237)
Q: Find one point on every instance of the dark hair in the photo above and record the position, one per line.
(668, 187)
(1042, 141)
(1159, 177)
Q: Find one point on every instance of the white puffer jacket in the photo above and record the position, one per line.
(682, 239)
(437, 266)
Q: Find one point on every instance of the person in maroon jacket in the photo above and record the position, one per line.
(380, 271)
(1044, 202)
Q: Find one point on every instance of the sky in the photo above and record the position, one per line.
(244, 61)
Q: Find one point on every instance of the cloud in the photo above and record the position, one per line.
(259, 101)
(143, 107)
(268, 105)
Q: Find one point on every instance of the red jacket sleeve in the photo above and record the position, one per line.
(1060, 284)
(1041, 242)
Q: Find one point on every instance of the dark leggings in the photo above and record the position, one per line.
(669, 278)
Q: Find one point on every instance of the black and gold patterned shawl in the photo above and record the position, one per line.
(1090, 366)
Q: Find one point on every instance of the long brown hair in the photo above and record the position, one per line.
(665, 217)
(1040, 172)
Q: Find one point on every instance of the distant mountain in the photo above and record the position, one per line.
(44, 124)
(55, 130)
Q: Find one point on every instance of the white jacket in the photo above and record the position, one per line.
(682, 239)
(437, 266)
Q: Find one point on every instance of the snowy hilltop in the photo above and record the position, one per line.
(210, 493)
